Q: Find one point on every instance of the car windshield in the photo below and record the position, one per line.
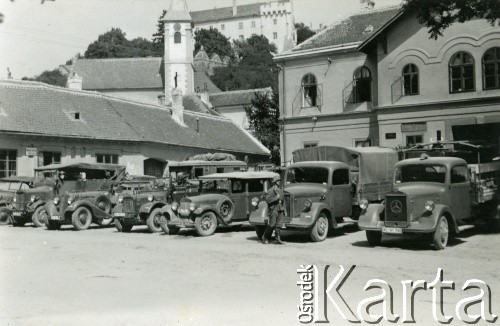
(13, 185)
(219, 186)
(307, 175)
(421, 173)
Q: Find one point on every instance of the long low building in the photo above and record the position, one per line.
(42, 124)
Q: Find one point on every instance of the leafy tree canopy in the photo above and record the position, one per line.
(52, 77)
(303, 32)
(440, 14)
(213, 41)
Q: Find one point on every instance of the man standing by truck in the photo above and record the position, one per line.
(274, 199)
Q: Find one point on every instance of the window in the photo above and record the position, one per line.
(410, 80)
(414, 140)
(362, 85)
(237, 187)
(390, 135)
(340, 177)
(8, 163)
(275, 35)
(459, 174)
(307, 175)
(421, 173)
(362, 143)
(77, 115)
(51, 157)
(310, 144)
(310, 91)
(461, 73)
(198, 172)
(177, 37)
(491, 68)
(222, 27)
(253, 23)
(240, 25)
(255, 185)
(275, 21)
(107, 158)
(220, 170)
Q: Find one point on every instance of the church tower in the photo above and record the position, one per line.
(179, 46)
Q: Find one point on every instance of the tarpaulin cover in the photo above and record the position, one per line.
(375, 164)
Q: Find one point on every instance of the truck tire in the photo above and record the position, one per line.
(4, 216)
(441, 235)
(123, 227)
(52, 225)
(319, 231)
(260, 229)
(81, 218)
(374, 238)
(153, 220)
(206, 224)
(39, 216)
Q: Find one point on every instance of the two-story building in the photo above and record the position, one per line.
(376, 78)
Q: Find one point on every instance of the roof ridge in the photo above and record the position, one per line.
(369, 11)
(119, 59)
(230, 7)
(243, 91)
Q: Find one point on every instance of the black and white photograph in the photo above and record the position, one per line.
(249, 162)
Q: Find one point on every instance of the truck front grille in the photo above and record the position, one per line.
(128, 205)
(396, 208)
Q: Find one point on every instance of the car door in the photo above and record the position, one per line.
(340, 192)
(460, 192)
(240, 199)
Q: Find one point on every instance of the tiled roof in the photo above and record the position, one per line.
(40, 109)
(236, 98)
(120, 73)
(355, 28)
(202, 81)
(218, 14)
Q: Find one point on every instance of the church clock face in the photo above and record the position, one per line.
(177, 27)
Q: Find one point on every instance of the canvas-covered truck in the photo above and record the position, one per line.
(435, 194)
(326, 184)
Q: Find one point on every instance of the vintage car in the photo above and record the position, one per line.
(84, 195)
(225, 199)
(434, 196)
(8, 188)
(142, 205)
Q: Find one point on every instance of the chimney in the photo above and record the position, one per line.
(235, 8)
(9, 74)
(177, 107)
(367, 4)
(74, 81)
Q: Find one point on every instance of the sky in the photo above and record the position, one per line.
(36, 37)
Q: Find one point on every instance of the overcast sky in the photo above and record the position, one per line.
(36, 37)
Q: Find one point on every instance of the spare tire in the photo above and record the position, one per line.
(104, 204)
(226, 211)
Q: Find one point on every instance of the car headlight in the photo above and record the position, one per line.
(175, 206)
(120, 199)
(70, 200)
(56, 200)
(429, 205)
(192, 207)
(151, 197)
(255, 201)
(14, 199)
(307, 204)
(33, 198)
(363, 204)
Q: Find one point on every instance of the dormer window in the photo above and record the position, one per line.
(369, 29)
(77, 115)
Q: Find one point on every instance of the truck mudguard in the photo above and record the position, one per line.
(148, 207)
(259, 215)
(370, 217)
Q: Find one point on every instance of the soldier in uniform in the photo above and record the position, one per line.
(274, 199)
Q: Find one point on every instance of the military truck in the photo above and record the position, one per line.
(9, 186)
(326, 184)
(436, 193)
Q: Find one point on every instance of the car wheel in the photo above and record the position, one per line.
(440, 238)
(81, 218)
(39, 216)
(52, 225)
(319, 231)
(153, 220)
(4, 216)
(374, 238)
(123, 227)
(206, 224)
(260, 229)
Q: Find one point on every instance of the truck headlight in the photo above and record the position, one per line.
(255, 201)
(14, 200)
(307, 204)
(120, 199)
(151, 197)
(33, 198)
(363, 204)
(175, 206)
(429, 205)
(192, 207)
(56, 200)
(70, 200)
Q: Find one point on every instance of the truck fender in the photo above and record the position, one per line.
(260, 215)
(51, 209)
(440, 210)
(370, 217)
(168, 214)
(316, 209)
(37, 204)
(147, 208)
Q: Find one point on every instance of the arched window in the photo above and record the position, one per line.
(309, 91)
(491, 68)
(177, 37)
(362, 85)
(461, 73)
(410, 79)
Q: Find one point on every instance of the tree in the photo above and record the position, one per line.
(213, 41)
(51, 77)
(303, 32)
(263, 116)
(114, 44)
(159, 36)
(439, 15)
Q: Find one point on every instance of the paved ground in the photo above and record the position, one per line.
(102, 277)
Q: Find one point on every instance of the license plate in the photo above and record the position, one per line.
(55, 218)
(120, 214)
(392, 230)
(16, 213)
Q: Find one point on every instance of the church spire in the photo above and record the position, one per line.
(178, 11)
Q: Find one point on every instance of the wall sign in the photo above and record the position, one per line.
(31, 151)
(411, 127)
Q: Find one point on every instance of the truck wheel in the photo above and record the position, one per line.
(153, 220)
(123, 227)
(440, 237)
(374, 238)
(4, 216)
(81, 218)
(52, 225)
(319, 231)
(206, 224)
(260, 229)
(39, 216)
